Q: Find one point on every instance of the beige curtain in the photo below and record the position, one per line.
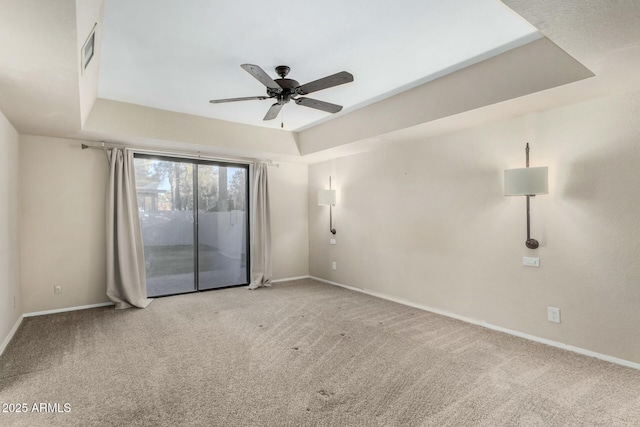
(126, 281)
(261, 274)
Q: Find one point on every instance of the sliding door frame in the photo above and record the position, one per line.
(196, 244)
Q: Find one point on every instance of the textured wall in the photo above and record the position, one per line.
(9, 230)
(426, 221)
(63, 233)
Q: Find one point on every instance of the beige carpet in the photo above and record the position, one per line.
(302, 353)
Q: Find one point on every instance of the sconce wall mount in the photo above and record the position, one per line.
(328, 197)
(527, 182)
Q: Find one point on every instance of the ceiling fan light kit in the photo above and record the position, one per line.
(284, 90)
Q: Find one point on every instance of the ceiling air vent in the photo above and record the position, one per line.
(88, 48)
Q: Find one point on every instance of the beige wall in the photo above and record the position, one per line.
(63, 237)
(39, 66)
(170, 130)
(426, 221)
(9, 230)
(63, 240)
(288, 192)
(533, 67)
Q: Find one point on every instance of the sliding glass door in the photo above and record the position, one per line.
(222, 225)
(194, 217)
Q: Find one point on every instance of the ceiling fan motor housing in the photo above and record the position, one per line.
(288, 86)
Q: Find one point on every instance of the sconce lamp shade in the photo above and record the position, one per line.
(526, 181)
(326, 197)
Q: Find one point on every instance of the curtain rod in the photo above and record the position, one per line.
(183, 154)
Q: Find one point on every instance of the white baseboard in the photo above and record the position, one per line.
(487, 325)
(63, 310)
(289, 279)
(105, 304)
(9, 337)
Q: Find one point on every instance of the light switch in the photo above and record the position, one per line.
(332, 241)
(530, 262)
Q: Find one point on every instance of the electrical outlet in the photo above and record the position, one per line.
(553, 314)
(334, 266)
(57, 289)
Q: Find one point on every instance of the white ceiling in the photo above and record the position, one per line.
(176, 55)
(44, 91)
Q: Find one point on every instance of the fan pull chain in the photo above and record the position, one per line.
(282, 119)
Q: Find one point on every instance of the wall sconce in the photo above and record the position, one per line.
(527, 182)
(328, 197)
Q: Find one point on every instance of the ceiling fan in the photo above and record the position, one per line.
(284, 90)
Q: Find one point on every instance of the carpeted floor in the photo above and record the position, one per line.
(302, 353)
